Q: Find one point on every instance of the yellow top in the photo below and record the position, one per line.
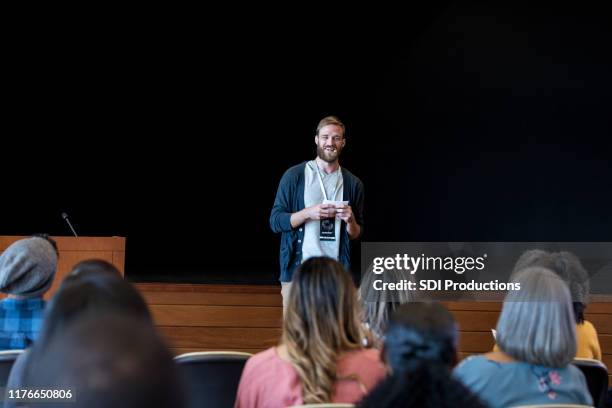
(587, 344)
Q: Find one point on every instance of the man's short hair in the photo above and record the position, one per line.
(331, 120)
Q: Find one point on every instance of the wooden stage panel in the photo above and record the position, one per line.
(230, 337)
(602, 322)
(605, 342)
(484, 323)
(216, 316)
(475, 342)
(248, 318)
(218, 295)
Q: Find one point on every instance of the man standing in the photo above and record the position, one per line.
(318, 206)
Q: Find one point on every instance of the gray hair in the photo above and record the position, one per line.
(565, 264)
(536, 323)
(378, 305)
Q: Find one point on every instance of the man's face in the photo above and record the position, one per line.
(330, 142)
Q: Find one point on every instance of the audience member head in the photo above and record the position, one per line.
(97, 288)
(94, 286)
(423, 333)
(537, 322)
(96, 267)
(27, 267)
(48, 238)
(109, 360)
(420, 349)
(378, 305)
(568, 267)
(322, 321)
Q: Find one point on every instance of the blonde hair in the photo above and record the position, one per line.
(321, 322)
(331, 120)
(378, 305)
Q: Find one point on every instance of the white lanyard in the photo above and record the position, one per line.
(321, 180)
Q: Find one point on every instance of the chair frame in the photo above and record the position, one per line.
(195, 355)
(589, 362)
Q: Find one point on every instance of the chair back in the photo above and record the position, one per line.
(7, 358)
(211, 378)
(596, 374)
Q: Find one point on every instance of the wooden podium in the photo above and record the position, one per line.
(73, 250)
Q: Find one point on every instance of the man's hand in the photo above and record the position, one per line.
(321, 211)
(315, 212)
(345, 213)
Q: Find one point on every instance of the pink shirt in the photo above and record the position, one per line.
(269, 381)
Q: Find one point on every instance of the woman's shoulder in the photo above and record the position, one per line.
(471, 361)
(480, 360)
(268, 355)
(265, 368)
(363, 354)
(363, 365)
(586, 327)
(361, 360)
(484, 365)
(263, 358)
(574, 372)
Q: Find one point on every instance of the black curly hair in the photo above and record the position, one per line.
(420, 347)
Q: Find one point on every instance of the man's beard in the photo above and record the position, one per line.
(328, 156)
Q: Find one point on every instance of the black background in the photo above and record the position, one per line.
(465, 121)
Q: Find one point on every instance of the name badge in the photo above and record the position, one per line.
(327, 229)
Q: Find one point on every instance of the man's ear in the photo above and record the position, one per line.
(317, 140)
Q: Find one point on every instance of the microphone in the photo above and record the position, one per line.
(65, 217)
